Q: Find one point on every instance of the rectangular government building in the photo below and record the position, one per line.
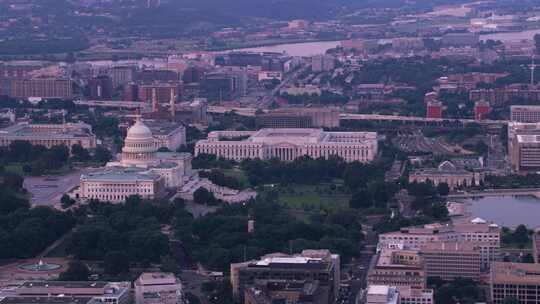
(520, 281)
(289, 144)
(50, 135)
(525, 113)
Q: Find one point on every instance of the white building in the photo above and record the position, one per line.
(382, 294)
(158, 288)
(170, 135)
(486, 236)
(289, 144)
(50, 135)
(141, 170)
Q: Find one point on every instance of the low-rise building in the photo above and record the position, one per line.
(447, 173)
(158, 288)
(289, 144)
(50, 135)
(297, 292)
(527, 114)
(518, 281)
(486, 236)
(382, 294)
(408, 295)
(310, 265)
(300, 118)
(397, 267)
(64, 292)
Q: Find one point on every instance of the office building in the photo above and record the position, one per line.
(310, 265)
(452, 260)
(322, 63)
(50, 135)
(161, 90)
(157, 75)
(524, 146)
(408, 295)
(41, 88)
(169, 135)
(300, 118)
(397, 267)
(536, 246)
(515, 280)
(460, 39)
(295, 292)
(382, 294)
(434, 109)
(289, 144)
(120, 75)
(481, 110)
(447, 173)
(485, 236)
(158, 288)
(528, 114)
(100, 88)
(501, 96)
(62, 292)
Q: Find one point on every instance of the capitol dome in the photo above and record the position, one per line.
(139, 131)
(139, 146)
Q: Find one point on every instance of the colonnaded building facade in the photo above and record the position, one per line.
(141, 170)
(289, 144)
(49, 135)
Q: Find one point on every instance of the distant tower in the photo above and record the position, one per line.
(173, 109)
(154, 100)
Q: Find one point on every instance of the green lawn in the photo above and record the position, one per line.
(15, 168)
(238, 174)
(303, 197)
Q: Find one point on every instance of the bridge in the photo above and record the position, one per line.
(496, 192)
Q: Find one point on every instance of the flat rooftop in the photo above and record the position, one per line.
(120, 174)
(515, 273)
(162, 127)
(64, 284)
(45, 300)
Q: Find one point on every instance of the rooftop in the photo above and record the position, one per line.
(517, 273)
(121, 174)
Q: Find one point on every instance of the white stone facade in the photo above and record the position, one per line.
(50, 135)
(289, 144)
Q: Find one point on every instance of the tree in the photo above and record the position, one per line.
(77, 271)
(102, 154)
(169, 264)
(79, 153)
(204, 197)
(116, 262)
(66, 201)
(511, 299)
(443, 189)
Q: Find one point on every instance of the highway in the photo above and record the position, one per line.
(497, 192)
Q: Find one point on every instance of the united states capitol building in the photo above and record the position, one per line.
(142, 170)
(289, 144)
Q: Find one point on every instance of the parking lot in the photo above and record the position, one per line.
(47, 190)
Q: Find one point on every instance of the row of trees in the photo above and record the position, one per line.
(25, 231)
(220, 238)
(39, 159)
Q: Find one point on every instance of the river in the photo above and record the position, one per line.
(303, 49)
(509, 211)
